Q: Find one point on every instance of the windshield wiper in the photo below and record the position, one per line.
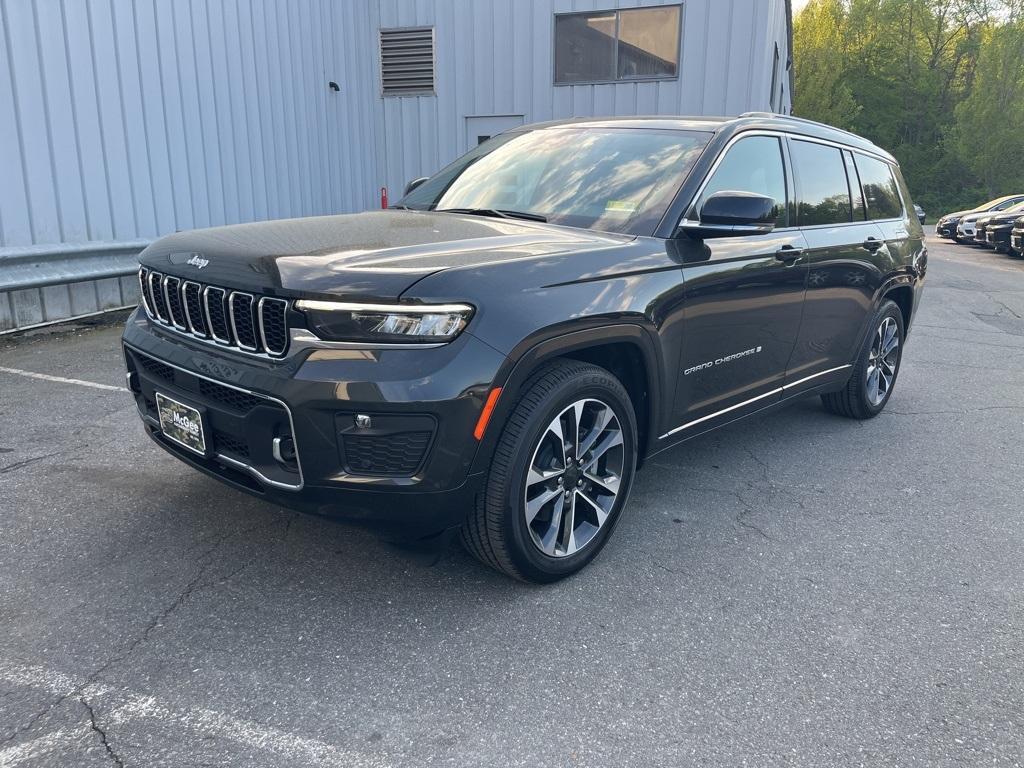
(496, 213)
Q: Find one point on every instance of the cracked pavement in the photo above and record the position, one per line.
(797, 589)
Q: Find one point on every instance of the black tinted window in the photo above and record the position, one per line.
(883, 196)
(752, 165)
(824, 193)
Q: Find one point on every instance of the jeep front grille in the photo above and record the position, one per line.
(257, 325)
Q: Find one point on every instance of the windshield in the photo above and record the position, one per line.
(999, 204)
(611, 179)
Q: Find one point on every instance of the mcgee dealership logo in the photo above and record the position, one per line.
(185, 423)
(197, 261)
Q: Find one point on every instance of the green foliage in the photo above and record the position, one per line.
(939, 83)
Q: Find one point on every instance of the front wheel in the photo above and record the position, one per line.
(560, 475)
(874, 374)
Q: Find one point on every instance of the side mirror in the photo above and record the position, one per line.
(730, 214)
(415, 183)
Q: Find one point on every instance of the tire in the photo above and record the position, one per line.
(859, 399)
(527, 468)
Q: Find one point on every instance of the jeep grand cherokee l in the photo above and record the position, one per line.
(499, 353)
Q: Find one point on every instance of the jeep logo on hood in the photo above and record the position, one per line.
(190, 258)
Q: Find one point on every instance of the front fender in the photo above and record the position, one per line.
(552, 343)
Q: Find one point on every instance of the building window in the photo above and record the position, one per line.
(610, 46)
(407, 61)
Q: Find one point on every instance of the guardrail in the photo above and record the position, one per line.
(38, 266)
(45, 284)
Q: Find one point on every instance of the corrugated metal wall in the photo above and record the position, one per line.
(495, 58)
(122, 120)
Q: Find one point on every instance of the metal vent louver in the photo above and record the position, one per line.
(228, 318)
(407, 61)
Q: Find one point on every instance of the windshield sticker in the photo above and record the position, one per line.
(620, 206)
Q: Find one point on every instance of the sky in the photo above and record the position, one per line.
(798, 5)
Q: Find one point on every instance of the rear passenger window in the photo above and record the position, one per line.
(753, 164)
(883, 196)
(824, 193)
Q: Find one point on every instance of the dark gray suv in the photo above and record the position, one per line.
(498, 354)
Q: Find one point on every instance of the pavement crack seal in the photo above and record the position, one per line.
(116, 758)
(124, 706)
(966, 412)
(27, 462)
(191, 587)
(1002, 304)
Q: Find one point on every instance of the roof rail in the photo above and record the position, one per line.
(804, 120)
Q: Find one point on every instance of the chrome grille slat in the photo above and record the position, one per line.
(273, 322)
(217, 320)
(144, 291)
(156, 292)
(243, 327)
(172, 295)
(192, 300)
(233, 319)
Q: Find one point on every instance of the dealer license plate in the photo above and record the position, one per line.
(181, 423)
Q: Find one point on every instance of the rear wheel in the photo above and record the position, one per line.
(878, 365)
(560, 475)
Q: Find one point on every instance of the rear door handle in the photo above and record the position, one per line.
(788, 254)
(871, 244)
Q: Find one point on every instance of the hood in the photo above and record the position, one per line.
(954, 214)
(1002, 218)
(373, 255)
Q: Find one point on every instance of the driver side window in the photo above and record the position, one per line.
(753, 165)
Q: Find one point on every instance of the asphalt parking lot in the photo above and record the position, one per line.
(796, 590)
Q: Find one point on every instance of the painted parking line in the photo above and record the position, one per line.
(118, 707)
(28, 752)
(61, 379)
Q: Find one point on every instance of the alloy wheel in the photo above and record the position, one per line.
(883, 359)
(574, 478)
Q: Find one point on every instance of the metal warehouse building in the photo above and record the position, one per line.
(123, 120)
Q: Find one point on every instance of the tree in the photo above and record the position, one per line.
(921, 78)
(989, 130)
(819, 60)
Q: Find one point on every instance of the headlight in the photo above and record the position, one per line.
(385, 323)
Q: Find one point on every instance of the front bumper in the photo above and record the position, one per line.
(1017, 240)
(946, 229)
(408, 471)
(998, 237)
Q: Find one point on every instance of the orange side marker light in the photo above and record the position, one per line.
(485, 414)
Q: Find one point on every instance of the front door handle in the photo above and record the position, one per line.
(871, 244)
(788, 254)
